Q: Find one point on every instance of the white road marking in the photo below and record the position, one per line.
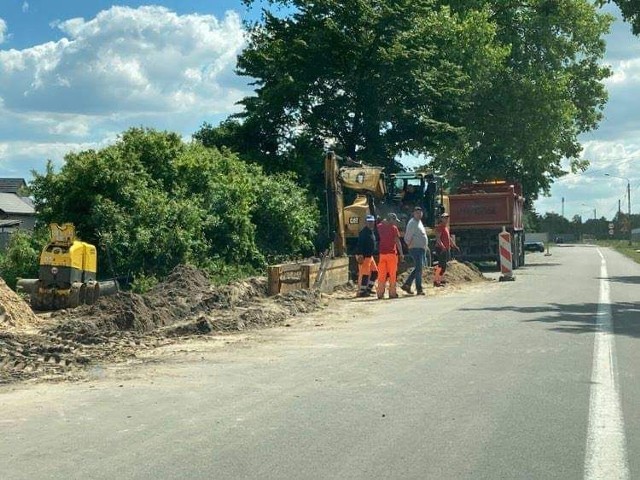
(606, 455)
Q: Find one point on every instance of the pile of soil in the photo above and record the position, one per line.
(15, 313)
(463, 272)
(457, 273)
(117, 327)
(185, 293)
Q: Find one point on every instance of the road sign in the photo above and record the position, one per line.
(611, 232)
(611, 226)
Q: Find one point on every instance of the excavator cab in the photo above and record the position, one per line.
(408, 190)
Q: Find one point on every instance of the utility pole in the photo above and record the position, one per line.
(629, 200)
(628, 203)
(619, 209)
(562, 207)
(595, 217)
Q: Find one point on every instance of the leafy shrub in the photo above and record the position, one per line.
(154, 201)
(21, 258)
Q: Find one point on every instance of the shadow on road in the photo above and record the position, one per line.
(631, 279)
(578, 318)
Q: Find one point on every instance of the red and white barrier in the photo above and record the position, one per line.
(506, 257)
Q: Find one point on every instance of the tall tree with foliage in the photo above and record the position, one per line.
(483, 88)
(525, 123)
(630, 12)
(372, 78)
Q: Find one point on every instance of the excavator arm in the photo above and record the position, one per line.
(366, 181)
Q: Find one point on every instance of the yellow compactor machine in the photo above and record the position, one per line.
(67, 275)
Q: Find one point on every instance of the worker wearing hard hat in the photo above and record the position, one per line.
(390, 247)
(367, 268)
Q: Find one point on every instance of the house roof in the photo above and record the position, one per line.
(11, 185)
(11, 203)
(9, 223)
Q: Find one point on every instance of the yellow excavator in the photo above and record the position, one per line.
(376, 194)
(368, 183)
(67, 274)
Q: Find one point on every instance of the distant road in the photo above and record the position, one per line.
(534, 379)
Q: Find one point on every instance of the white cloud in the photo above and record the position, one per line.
(36, 154)
(25, 7)
(147, 59)
(3, 30)
(125, 67)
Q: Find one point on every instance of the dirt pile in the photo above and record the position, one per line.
(259, 312)
(186, 293)
(15, 313)
(117, 327)
(457, 273)
(463, 272)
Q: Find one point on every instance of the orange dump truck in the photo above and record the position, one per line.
(479, 211)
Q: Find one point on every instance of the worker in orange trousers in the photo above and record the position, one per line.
(389, 247)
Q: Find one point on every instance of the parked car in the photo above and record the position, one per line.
(534, 246)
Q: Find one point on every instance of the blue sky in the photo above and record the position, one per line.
(76, 73)
(30, 20)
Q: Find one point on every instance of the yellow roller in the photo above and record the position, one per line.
(67, 276)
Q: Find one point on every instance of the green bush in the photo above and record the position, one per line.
(143, 283)
(154, 201)
(21, 258)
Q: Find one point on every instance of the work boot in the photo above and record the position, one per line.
(407, 288)
(420, 292)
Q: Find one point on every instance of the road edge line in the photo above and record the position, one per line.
(606, 452)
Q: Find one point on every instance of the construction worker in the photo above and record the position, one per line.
(389, 248)
(416, 239)
(367, 268)
(444, 243)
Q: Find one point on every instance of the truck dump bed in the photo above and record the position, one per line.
(487, 205)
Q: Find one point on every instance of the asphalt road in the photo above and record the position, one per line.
(533, 379)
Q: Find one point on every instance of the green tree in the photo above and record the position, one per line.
(630, 12)
(370, 78)
(556, 224)
(526, 121)
(484, 88)
(303, 157)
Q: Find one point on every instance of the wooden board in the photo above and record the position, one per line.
(285, 278)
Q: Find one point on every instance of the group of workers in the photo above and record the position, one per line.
(384, 238)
